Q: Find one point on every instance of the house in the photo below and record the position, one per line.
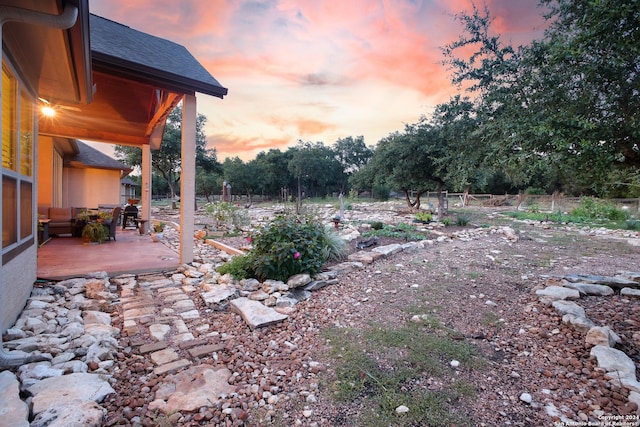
(106, 82)
(89, 178)
(128, 190)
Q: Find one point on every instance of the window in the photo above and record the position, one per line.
(17, 161)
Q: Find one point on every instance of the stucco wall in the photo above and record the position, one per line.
(90, 188)
(16, 282)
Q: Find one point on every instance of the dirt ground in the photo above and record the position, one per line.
(481, 290)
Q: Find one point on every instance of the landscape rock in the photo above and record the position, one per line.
(298, 280)
(555, 293)
(602, 335)
(614, 282)
(589, 288)
(630, 292)
(615, 362)
(568, 307)
(197, 387)
(579, 323)
(255, 314)
(219, 294)
(64, 390)
(388, 250)
(13, 411)
(85, 414)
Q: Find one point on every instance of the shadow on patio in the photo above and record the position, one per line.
(66, 257)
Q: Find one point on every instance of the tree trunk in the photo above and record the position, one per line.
(415, 205)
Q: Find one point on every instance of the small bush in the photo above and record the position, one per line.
(423, 216)
(632, 224)
(240, 267)
(377, 225)
(593, 208)
(447, 222)
(534, 208)
(463, 220)
(333, 246)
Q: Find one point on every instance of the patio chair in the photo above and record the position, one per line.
(112, 224)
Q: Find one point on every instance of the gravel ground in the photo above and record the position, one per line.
(482, 289)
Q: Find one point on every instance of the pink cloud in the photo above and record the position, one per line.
(304, 69)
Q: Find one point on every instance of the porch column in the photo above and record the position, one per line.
(145, 197)
(188, 178)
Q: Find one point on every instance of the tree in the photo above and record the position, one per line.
(167, 161)
(402, 161)
(245, 177)
(315, 166)
(569, 101)
(273, 166)
(352, 153)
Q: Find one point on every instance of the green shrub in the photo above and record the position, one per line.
(240, 267)
(377, 225)
(593, 208)
(290, 245)
(333, 246)
(447, 222)
(534, 208)
(463, 220)
(632, 224)
(423, 216)
(404, 231)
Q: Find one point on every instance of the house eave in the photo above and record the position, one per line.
(179, 84)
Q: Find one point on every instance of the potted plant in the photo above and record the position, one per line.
(157, 231)
(95, 232)
(104, 216)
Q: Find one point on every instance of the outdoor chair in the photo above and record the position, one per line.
(112, 224)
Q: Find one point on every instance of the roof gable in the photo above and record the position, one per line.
(117, 45)
(89, 157)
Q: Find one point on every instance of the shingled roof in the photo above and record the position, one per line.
(89, 157)
(114, 46)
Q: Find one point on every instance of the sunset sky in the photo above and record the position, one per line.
(316, 70)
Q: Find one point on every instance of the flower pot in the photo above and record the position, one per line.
(156, 237)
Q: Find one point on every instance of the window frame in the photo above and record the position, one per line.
(23, 170)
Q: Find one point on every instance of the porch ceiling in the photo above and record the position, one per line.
(123, 111)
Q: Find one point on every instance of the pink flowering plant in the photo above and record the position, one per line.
(290, 244)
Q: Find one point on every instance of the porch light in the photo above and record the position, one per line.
(48, 111)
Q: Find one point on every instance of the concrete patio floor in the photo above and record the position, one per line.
(66, 257)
